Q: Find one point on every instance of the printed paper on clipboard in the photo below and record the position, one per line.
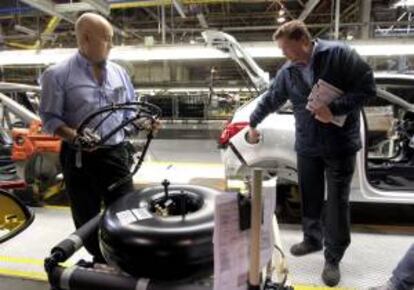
(324, 93)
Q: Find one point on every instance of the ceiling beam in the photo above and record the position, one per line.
(155, 17)
(179, 7)
(73, 7)
(309, 6)
(102, 6)
(87, 5)
(48, 7)
(265, 28)
(202, 20)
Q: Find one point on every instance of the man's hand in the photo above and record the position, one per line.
(88, 140)
(253, 135)
(148, 125)
(155, 126)
(322, 114)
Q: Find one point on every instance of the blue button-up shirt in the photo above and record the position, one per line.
(70, 93)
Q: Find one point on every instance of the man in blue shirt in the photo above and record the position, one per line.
(73, 89)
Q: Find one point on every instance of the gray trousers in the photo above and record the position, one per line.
(329, 222)
(403, 275)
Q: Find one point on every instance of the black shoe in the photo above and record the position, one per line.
(304, 248)
(331, 274)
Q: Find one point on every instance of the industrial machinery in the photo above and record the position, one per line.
(34, 152)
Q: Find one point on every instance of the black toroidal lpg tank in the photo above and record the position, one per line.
(162, 233)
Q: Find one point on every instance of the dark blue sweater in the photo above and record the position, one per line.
(340, 66)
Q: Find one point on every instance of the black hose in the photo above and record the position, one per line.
(127, 177)
(78, 278)
(66, 248)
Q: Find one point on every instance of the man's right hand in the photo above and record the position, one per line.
(88, 140)
(253, 135)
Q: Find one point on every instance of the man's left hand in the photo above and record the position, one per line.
(148, 125)
(323, 114)
(155, 126)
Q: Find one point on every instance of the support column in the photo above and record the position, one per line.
(337, 17)
(256, 218)
(365, 18)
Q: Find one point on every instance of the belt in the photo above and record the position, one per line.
(79, 153)
(103, 147)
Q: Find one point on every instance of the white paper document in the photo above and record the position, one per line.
(232, 246)
(323, 93)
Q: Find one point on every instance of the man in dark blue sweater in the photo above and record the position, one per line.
(325, 152)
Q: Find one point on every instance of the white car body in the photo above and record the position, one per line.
(275, 151)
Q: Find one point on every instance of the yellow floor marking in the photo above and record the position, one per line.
(185, 164)
(315, 287)
(15, 260)
(41, 276)
(30, 261)
(60, 207)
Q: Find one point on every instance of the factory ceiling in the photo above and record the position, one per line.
(49, 23)
(40, 24)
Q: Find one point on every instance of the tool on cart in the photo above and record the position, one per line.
(34, 153)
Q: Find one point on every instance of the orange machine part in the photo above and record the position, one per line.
(29, 141)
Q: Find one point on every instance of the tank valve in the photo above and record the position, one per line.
(165, 183)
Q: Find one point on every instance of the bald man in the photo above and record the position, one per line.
(71, 90)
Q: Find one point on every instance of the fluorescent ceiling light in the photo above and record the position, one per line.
(281, 19)
(403, 3)
(190, 52)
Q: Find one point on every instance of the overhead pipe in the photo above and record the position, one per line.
(50, 27)
(153, 3)
(310, 5)
(18, 109)
(15, 10)
(49, 7)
